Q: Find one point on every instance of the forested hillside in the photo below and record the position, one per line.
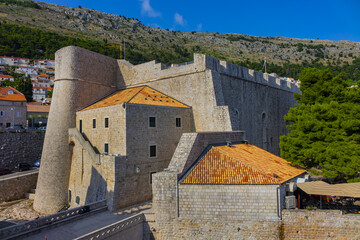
(36, 30)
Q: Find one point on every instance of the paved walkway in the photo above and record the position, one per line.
(89, 224)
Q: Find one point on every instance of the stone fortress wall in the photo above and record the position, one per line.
(20, 146)
(223, 97)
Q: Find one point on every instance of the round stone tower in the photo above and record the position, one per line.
(81, 77)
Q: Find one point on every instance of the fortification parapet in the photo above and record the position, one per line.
(81, 77)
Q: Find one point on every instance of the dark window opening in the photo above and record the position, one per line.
(152, 122)
(178, 122)
(106, 122)
(80, 126)
(106, 148)
(151, 177)
(94, 123)
(153, 151)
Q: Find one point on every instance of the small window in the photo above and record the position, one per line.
(80, 126)
(152, 122)
(94, 123)
(106, 122)
(2, 113)
(153, 151)
(106, 148)
(178, 122)
(18, 114)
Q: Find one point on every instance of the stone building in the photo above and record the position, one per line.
(12, 107)
(227, 189)
(220, 98)
(133, 133)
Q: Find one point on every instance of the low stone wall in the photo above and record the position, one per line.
(14, 186)
(319, 224)
(20, 146)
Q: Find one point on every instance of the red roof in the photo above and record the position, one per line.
(16, 96)
(6, 76)
(25, 67)
(240, 164)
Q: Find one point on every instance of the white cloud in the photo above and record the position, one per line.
(199, 27)
(147, 10)
(179, 19)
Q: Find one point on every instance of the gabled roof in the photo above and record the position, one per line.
(240, 164)
(137, 95)
(16, 96)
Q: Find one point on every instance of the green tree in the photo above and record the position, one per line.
(325, 126)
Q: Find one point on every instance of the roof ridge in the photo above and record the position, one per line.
(255, 169)
(135, 94)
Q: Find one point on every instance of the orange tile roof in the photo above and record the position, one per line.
(38, 108)
(6, 76)
(137, 95)
(240, 164)
(17, 96)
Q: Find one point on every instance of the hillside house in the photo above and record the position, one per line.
(28, 71)
(14, 61)
(12, 107)
(6, 77)
(40, 93)
(37, 114)
(44, 63)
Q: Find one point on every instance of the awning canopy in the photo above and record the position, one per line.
(325, 189)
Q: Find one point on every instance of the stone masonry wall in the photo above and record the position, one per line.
(14, 186)
(320, 224)
(229, 202)
(20, 146)
(212, 212)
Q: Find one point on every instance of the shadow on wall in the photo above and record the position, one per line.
(96, 191)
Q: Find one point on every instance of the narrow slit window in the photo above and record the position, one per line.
(106, 148)
(94, 123)
(106, 122)
(80, 126)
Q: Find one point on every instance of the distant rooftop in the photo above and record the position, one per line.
(240, 164)
(137, 95)
(11, 94)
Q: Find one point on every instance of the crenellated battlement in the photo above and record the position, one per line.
(152, 71)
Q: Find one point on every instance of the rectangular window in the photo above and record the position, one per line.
(178, 122)
(152, 122)
(94, 123)
(2, 113)
(80, 126)
(106, 148)
(153, 151)
(106, 122)
(18, 114)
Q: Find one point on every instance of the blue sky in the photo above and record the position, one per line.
(323, 19)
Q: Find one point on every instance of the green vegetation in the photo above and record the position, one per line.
(21, 3)
(325, 126)
(20, 83)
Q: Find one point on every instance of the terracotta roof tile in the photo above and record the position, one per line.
(137, 95)
(16, 96)
(38, 108)
(6, 76)
(240, 164)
